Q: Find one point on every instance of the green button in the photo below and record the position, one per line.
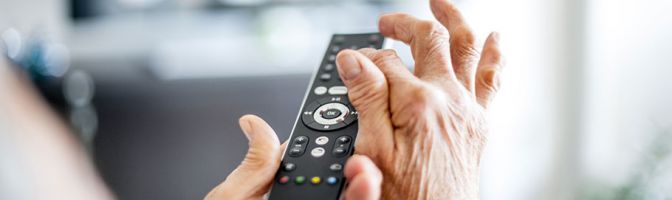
(300, 179)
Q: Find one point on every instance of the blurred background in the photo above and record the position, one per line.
(155, 87)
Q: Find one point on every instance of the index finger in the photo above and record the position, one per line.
(429, 42)
(462, 50)
(448, 15)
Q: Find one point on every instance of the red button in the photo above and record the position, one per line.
(283, 179)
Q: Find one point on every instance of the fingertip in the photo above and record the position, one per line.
(492, 41)
(359, 164)
(494, 36)
(363, 186)
(256, 129)
(248, 119)
(353, 166)
(345, 52)
(349, 67)
(488, 74)
(492, 56)
(440, 5)
(389, 25)
(245, 125)
(384, 26)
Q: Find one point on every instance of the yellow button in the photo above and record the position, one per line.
(315, 180)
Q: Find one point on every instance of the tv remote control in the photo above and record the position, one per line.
(325, 130)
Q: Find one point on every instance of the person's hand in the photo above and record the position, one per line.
(425, 129)
(253, 177)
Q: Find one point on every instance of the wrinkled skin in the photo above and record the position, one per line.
(425, 129)
(421, 133)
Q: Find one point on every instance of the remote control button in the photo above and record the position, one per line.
(283, 179)
(300, 140)
(374, 38)
(338, 90)
(312, 114)
(295, 151)
(331, 113)
(318, 115)
(315, 180)
(332, 180)
(336, 167)
(340, 151)
(339, 39)
(300, 179)
(328, 67)
(322, 140)
(289, 167)
(342, 146)
(332, 58)
(343, 140)
(320, 90)
(325, 77)
(335, 49)
(298, 146)
(317, 152)
(307, 115)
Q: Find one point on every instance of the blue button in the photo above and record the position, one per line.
(332, 180)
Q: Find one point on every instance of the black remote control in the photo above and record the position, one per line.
(324, 133)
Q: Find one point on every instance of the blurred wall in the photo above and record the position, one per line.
(44, 17)
(627, 136)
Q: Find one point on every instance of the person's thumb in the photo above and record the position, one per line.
(364, 179)
(252, 178)
(262, 154)
(368, 93)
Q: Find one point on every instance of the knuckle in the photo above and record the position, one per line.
(423, 99)
(490, 80)
(437, 52)
(258, 159)
(368, 93)
(464, 34)
(495, 83)
(465, 48)
(431, 42)
(430, 29)
(384, 57)
(387, 53)
(465, 55)
(462, 46)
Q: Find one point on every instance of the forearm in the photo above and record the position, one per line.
(51, 160)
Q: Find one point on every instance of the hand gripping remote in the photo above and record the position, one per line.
(324, 133)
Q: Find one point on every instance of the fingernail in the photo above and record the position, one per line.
(495, 36)
(245, 126)
(348, 66)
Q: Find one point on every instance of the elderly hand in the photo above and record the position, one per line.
(425, 129)
(253, 178)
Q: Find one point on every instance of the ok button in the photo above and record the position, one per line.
(331, 113)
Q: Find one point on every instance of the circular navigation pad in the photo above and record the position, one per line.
(328, 114)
